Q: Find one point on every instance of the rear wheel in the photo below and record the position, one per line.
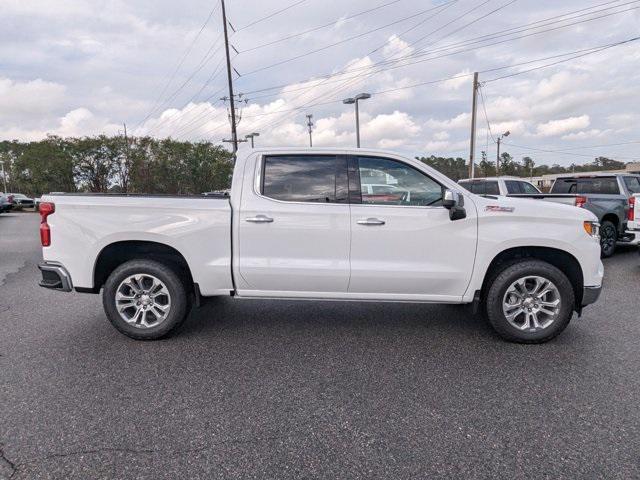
(145, 299)
(530, 301)
(608, 238)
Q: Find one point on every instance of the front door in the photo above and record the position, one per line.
(294, 227)
(403, 243)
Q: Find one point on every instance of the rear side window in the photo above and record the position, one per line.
(304, 178)
(633, 184)
(598, 185)
(482, 188)
(592, 185)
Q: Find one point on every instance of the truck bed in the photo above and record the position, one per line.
(198, 227)
(565, 198)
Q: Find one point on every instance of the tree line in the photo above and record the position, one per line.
(458, 168)
(115, 165)
(148, 165)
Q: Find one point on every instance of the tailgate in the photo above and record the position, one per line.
(634, 212)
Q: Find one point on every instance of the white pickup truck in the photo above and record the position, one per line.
(304, 224)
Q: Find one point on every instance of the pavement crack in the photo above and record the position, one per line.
(133, 451)
(13, 467)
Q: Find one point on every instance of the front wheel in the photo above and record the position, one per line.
(145, 299)
(530, 301)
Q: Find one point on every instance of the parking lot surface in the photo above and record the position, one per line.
(283, 389)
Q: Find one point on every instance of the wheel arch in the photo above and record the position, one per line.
(560, 259)
(117, 253)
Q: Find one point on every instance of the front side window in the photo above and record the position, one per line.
(303, 178)
(388, 182)
(528, 188)
(633, 184)
(513, 187)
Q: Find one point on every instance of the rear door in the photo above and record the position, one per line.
(403, 244)
(294, 226)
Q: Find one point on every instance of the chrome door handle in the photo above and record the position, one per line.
(371, 221)
(260, 219)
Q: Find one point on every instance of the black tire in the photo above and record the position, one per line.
(608, 238)
(179, 295)
(511, 272)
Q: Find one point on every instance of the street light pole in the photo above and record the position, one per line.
(500, 137)
(310, 126)
(251, 136)
(4, 176)
(355, 100)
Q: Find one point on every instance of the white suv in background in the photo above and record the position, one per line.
(499, 186)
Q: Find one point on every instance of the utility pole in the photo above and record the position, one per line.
(124, 169)
(472, 146)
(310, 125)
(234, 133)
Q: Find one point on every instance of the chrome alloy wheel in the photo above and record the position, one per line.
(531, 303)
(143, 301)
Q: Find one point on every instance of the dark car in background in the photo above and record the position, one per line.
(6, 203)
(21, 201)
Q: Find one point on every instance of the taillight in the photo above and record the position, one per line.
(46, 209)
(580, 201)
(632, 207)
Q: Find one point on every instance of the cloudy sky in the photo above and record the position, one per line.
(85, 67)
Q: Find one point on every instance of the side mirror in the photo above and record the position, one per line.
(454, 202)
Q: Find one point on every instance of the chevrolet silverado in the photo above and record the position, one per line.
(308, 224)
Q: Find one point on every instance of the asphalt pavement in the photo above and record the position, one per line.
(284, 389)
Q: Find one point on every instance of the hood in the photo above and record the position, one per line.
(535, 208)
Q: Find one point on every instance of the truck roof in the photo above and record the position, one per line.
(320, 150)
(484, 179)
(598, 174)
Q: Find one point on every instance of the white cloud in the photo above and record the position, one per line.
(585, 134)
(396, 47)
(31, 98)
(463, 120)
(463, 78)
(561, 126)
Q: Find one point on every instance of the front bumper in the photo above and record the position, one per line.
(590, 295)
(55, 277)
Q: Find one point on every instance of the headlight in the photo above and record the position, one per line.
(592, 229)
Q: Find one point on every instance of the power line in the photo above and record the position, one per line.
(349, 81)
(525, 147)
(181, 61)
(382, 92)
(486, 117)
(172, 119)
(317, 50)
(448, 47)
(320, 27)
(606, 47)
(271, 15)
